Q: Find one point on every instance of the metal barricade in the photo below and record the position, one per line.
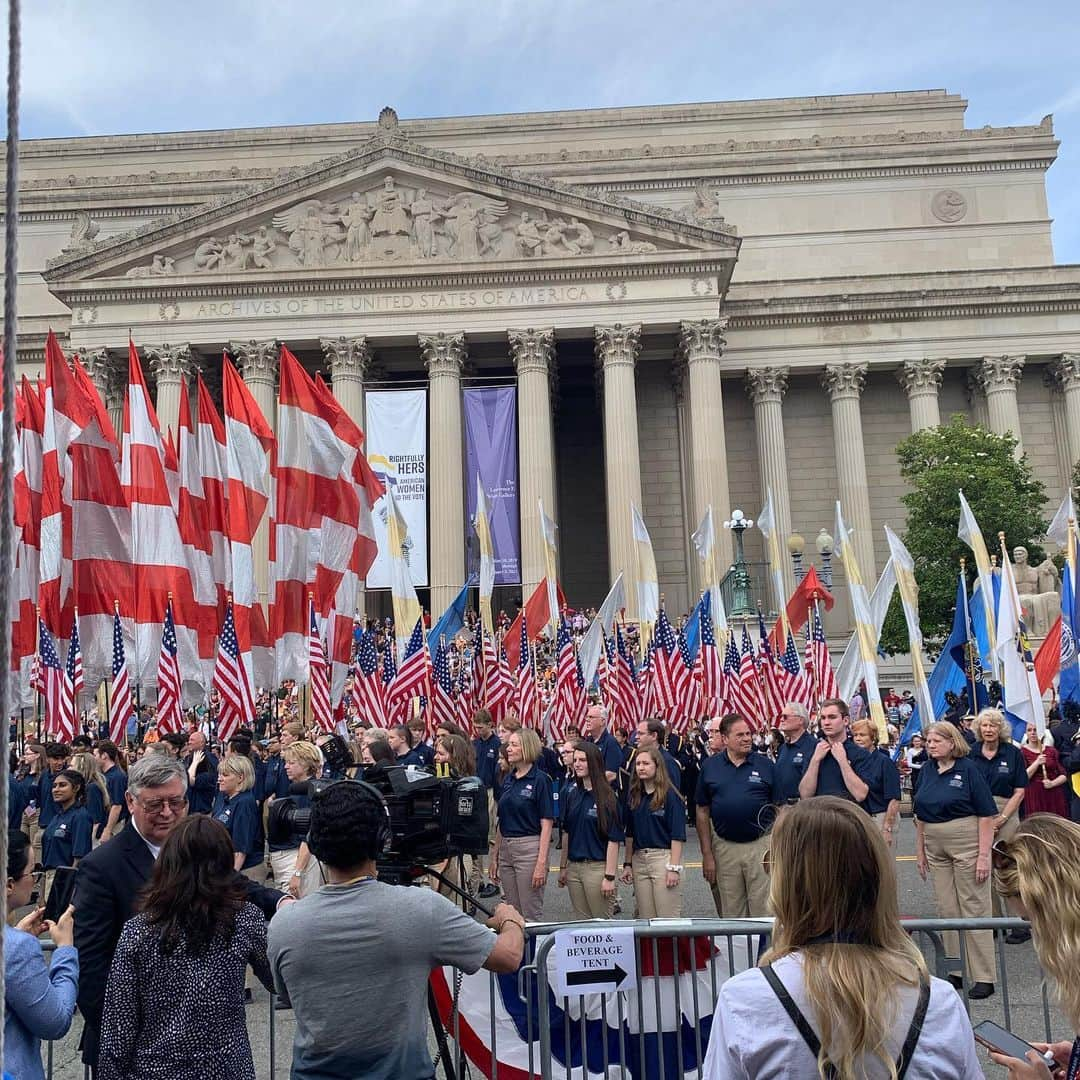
(495, 1025)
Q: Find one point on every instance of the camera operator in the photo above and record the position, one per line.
(374, 1026)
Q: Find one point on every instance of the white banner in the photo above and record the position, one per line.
(396, 445)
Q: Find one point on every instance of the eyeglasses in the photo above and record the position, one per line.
(1000, 857)
(155, 806)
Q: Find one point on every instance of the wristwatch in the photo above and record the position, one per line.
(675, 868)
(609, 877)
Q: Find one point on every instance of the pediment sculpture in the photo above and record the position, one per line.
(393, 223)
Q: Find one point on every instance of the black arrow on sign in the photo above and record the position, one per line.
(600, 975)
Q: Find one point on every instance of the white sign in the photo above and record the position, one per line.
(594, 961)
(396, 445)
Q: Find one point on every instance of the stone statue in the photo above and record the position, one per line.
(705, 207)
(356, 217)
(83, 232)
(1041, 607)
(238, 251)
(1049, 578)
(622, 243)
(390, 217)
(527, 236)
(424, 215)
(209, 254)
(490, 233)
(262, 249)
(582, 242)
(553, 237)
(311, 227)
(463, 220)
(160, 266)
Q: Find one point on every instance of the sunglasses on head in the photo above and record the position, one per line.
(1000, 857)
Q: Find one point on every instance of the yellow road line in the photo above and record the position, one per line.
(697, 865)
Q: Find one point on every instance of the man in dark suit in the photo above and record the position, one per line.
(110, 877)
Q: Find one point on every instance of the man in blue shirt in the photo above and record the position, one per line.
(795, 754)
(108, 756)
(276, 780)
(650, 733)
(596, 730)
(736, 794)
(834, 766)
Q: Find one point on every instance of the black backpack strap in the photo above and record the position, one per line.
(797, 1018)
(908, 1049)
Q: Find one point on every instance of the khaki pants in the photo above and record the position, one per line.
(584, 879)
(717, 900)
(952, 848)
(1006, 832)
(741, 879)
(654, 899)
(282, 865)
(517, 861)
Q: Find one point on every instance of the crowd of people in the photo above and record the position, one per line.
(182, 897)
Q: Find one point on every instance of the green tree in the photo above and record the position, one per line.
(1004, 497)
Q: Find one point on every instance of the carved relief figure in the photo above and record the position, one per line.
(160, 266)
(424, 215)
(262, 248)
(356, 217)
(238, 251)
(311, 228)
(209, 254)
(462, 214)
(490, 233)
(390, 217)
(622, 243)
(83, 231)
(583, 241)
(527, 235)
(705, 207)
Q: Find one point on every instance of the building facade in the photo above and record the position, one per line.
(696, 302)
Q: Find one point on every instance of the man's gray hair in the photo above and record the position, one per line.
(153, 771)
(599, 709)
(799, 709)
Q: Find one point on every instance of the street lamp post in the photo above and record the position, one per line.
(824, 544)
(796, 545)
(742, 596)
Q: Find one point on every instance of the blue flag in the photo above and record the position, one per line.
(451, 620)
(692, 629)
(1069, 680)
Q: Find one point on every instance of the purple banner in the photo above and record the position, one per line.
(491, 451)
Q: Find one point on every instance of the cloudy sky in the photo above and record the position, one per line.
(93, 67)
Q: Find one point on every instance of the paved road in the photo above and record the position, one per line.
(916, 899)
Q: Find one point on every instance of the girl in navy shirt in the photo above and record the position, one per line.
(97, 794)
(69, 834)
(238, 810)
(655, 834)
(954, 829)
(592, 834)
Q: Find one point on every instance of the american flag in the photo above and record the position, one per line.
(627, 694)
(367, 683)
(744, 692)
(609, 674)
(772, 682)
(465, 705)
(318, 674)
(495, 677)
(73, 685)
(169, 711)
(570, 700)
(712, 672)
(120, 706)
(527, 696)
(824, 676)
(48, 678)
(800, 683)
(231, 681)
(442, 687)
(689, 708)
(413, 678)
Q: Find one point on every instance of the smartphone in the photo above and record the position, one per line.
(1005, 1042)
(61, 892)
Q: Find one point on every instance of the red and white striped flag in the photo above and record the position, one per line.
(231, 682)
(413, 678)
(571, 702)
(744, 692)
(170, 716)
(497, 682)
(367, 682)
(712, 670)
(527, 696)
(48, 679)
(121, 709)
(824, 676)
(318, 674)
(203, 474)
(442, 687)
(172, 464)
(467, 700)
(772, 678)
(73, 685)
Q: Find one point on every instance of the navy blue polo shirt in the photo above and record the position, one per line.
(610, 751)
(116, 783)
(259, 790)
(579, 819)
(301, 802)
(831, 780)
(46, 803)
(276, 780)
(95, 805)
(883, 779)
(791, 765)
(737, 795)
(19, 792)
(68, 837)
(674, 769)
(1004, 772)
(524, 802)
(412, 757)
(202, 793)
(959, 792)
(487, 759)
(651, 828)
(240, 815)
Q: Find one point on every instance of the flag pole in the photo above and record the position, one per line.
(37, 653)
(969, 647)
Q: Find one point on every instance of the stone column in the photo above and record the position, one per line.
(111, 382)
(922, 381)
(1000, 376)
(1066, 370)
(257, 362)
(1059, 422)
(845, 385)
(701, 344)
(617, 349)
(172, 364)
(444, 355)
(767, 387)
(533, 353)
(977, 399)
(349, 360)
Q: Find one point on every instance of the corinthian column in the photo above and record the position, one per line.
(1066, 370)
(617, 349)
(1000, 376)
(767, 387)
(110, 381)
(845, 385)
(349, 360)
(257, 362)
(922, 381)
(444, 355)
(533, 353)
(701, 345)
(172, 364)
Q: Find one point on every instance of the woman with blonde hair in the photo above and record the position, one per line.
(954, 829)
(655, 834)
(1035, 871)
(843, 993)
(98, 802)
(295, 870)
(238, 810)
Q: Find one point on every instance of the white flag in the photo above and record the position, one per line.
(909, 599)
(849, 670)
(704, 541)
(648, 585)
(971, 534)
(547, 536)
(592, 644)
(767, 524)
(1022, 696)
(487, 556)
